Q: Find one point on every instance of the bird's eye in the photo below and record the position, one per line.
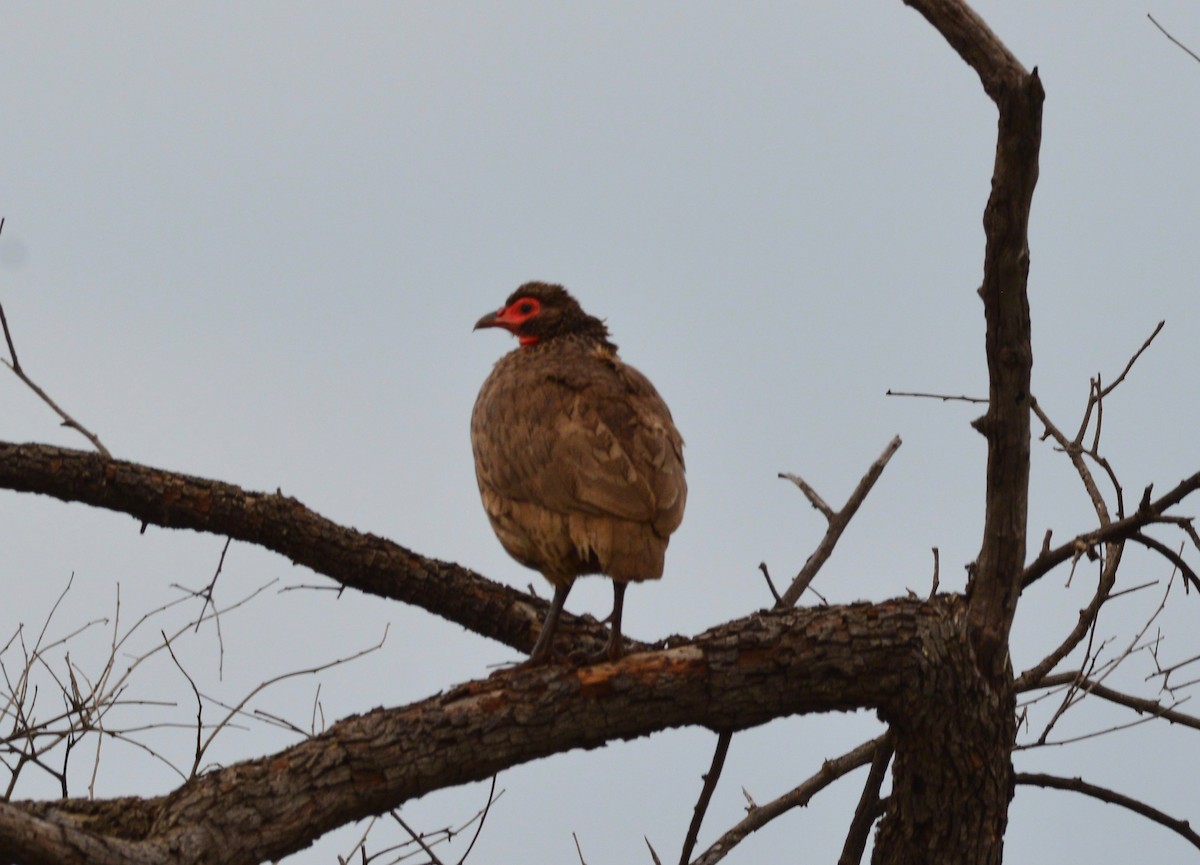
(525, 308)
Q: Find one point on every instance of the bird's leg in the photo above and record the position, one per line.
(542, 647)
(614, 648)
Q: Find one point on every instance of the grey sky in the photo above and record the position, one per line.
(249, 242)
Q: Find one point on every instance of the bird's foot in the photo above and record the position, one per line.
(612, 652)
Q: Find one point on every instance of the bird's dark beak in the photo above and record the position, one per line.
(489, 320)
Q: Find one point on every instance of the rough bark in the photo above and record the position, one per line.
(742, 674)
(280, 523)
(937, 672)
(952, 776)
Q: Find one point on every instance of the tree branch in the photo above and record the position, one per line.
(1078, 785)
(837, 521)
(284, 525)
(15, 366)
(62, 840)
(1138, 704)
(798, 797)
(868, 809)
(710, 784)
(1148, 512)
(740, 675)
(1018, 95)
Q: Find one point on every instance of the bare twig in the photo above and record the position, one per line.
(238, 709)
(1190, 52)
(1040, 673)
(361, 845)
(87, 700)
(199, 752)
(809, 493)
(837, 521)
(762, 566)
(1190, 577)
(936, 566)
(706, 792)
(1078, 785)
(653, 853)
(1147, 513)
(482, 819)
(417, 838)
(869, 805)
(207, 591)
(14, 364)
(943, 397)
(1082, 737)
(761, 815)
(1128, 366)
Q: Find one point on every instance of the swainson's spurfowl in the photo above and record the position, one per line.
(579, 464)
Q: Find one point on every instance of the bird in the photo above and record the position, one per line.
(579, 464)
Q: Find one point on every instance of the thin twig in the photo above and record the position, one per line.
(653, 853)
(1078, 785)
(809, 493)
(943, 397)
(420, 841)
(706, 792)
(239, 708)
(761, 815)
(15, 365)
(482, 819)
(1193, 54)
(837, 522)
(1189, 576)
(869, 805)
(199, 707)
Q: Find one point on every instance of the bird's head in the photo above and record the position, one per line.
(537, 312)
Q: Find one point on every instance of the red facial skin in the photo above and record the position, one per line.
(513, 317)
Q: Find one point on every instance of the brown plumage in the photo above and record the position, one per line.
(579, 464)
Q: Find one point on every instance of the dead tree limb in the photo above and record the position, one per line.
(760, 815)
(838, 520)
(1112, 797)
(736, 676)
(284, 525)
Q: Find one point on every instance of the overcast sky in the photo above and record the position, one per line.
(249, 241)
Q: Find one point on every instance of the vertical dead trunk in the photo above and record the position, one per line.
(952, 773)
(952, 776)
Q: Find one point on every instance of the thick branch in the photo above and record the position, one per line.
(282, 524)
(996, 584)
(742, 674)
(61, 839)
(917, 827)
(973, 41)
(1018, 96)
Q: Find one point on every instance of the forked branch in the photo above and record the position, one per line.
(760, 815)
(838, 520)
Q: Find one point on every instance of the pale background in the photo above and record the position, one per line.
(249, 242)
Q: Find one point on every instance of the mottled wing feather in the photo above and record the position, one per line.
(600, 442)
